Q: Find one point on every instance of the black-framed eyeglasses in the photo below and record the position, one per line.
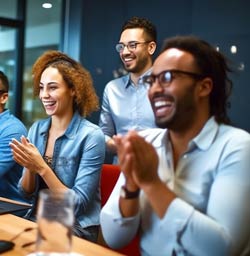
(166, 77)
(131, 46)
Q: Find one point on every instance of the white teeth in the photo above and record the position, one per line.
(160, 103)
(48, 103)
(128, 59)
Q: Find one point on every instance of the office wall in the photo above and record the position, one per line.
(222, 23)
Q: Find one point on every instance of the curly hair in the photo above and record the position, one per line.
(148, 27)
(75, 76)
(210, 63)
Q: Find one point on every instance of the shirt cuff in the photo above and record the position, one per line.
(177, 217)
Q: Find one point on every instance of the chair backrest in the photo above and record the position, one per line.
(109, 175)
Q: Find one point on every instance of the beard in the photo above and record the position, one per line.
(181, 115)
(138, 67)
(178, 121)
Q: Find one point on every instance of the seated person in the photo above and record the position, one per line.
(65, 150)
(10, 127)
(184, 188)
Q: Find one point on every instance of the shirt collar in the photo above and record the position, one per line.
(203, 140)
(206, 137)
(128, 82)
(71, 130)
(157, 135)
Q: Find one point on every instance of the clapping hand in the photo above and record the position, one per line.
(27, 155)
(137, 158)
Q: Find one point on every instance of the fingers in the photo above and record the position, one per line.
(25, 146)
(20, 151)
(18, 154)
(131, 146)
(117, 139)
(24, 140)
(138, 146)
(17, 146)
(137, 158)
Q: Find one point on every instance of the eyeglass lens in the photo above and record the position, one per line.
(163, 78)
(166, 77)
(130, 46)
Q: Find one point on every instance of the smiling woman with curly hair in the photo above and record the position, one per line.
(64, 151)
(74, 74)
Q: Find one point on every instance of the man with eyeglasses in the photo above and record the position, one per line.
(125, 104)
(184, 188)
(10, 127)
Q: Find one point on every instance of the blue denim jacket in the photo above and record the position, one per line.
(10, 171)
(77, 160)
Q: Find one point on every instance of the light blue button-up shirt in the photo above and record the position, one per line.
(77, 161)
(10, 171)
(210, 216)
(125, 107)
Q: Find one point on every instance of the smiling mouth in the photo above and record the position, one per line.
(127, 59)
(162, 107)
(49, 104)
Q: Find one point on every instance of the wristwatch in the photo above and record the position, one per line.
(125, 193)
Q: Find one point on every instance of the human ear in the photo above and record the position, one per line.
(151, 47)
(205, 87)
(4, 97)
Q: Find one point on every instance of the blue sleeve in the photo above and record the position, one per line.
(106, 121)
(88, 175)
(12, 130)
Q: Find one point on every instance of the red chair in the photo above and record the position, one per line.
(109, 176)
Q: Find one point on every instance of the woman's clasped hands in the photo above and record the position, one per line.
(27, 155)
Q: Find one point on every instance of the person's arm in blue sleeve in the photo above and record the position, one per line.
(117, 230)
(106, 122)
(6, 158)
(88, 175)
(223, 229)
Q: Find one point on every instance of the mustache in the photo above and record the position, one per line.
(167, 97)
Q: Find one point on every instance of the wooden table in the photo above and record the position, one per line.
(11, 225)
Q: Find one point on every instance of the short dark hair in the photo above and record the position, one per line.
(148, 27)
(4, 80)
(211, 63)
